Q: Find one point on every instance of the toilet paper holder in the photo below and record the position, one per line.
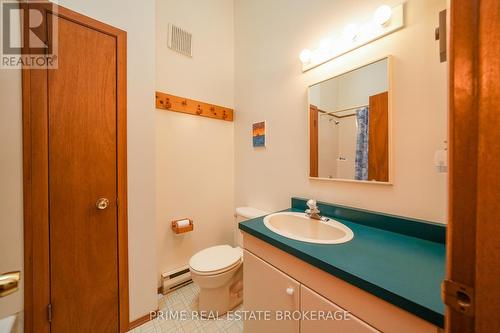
(182, 225)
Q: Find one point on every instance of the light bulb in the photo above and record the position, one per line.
(351, 32)
(325, 43)
(305, 56)
(382, 15)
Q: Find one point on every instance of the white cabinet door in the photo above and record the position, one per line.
(268, 292)
(319, 311)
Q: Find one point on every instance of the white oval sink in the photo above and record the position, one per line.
(302, 228)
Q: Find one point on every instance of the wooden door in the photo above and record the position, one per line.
(340, 320)
(472, 292)
(313, 141)
(269, 289)
(75, 155)
(82, 169)
(378, 143)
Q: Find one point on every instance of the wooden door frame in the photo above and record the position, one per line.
(463, 127)
(35, 178)
(474, 163)
(313, 141)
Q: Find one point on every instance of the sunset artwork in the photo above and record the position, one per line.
(259, 134)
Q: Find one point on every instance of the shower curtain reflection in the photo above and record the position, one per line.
(362, 141)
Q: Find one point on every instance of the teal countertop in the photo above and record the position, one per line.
(404, 270)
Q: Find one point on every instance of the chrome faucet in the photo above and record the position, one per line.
(313, 211)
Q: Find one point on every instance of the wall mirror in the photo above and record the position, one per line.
(349, 125)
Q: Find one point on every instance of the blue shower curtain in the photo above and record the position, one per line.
(361, 163)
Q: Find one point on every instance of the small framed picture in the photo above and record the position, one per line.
(259, 134)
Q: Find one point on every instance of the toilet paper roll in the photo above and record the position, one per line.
(182, 223)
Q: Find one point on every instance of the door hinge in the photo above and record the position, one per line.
(458, 296)
(49, 313)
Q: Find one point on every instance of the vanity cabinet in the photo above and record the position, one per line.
(278, 281)
(268, 292)
(313, 302)
(286, 303)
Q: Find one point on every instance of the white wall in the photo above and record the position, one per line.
(328, 146)
(138, 20)
(11, 180)
(356, 87)
(269, 84)
(350, 89)
(195, 155)
(347, 141)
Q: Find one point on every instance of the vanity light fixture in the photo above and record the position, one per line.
(382, 15)
(325, 44)
(350, 32)
(305, 56)
(385, 20)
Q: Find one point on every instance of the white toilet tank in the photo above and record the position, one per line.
(243, 214)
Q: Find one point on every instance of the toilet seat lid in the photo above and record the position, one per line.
(215, 258)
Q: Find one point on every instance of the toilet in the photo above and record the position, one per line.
(218, 271)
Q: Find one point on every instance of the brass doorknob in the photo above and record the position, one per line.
(102, 203)
(9, 283)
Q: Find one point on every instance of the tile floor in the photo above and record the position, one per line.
(185, 299)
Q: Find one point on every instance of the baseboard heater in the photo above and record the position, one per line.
(175, 279)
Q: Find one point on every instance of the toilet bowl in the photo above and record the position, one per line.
(218, 271)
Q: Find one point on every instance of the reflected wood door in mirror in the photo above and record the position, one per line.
(378, 143)
(313, 140)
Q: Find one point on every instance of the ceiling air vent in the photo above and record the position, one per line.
(179, 40)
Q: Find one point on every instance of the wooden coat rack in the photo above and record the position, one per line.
(185, 105)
